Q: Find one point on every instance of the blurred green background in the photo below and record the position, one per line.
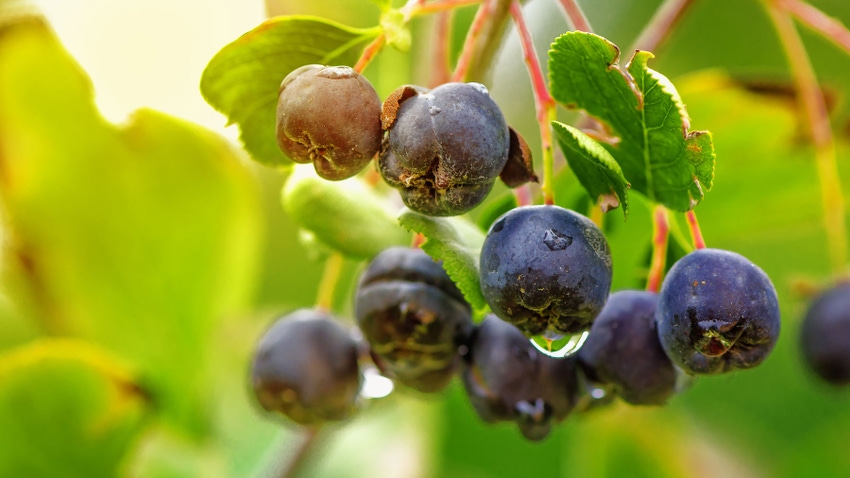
(142, 260)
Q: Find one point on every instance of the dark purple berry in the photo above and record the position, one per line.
(445, 147)
(545, 268)
(623, 350)
(507, 379)
(330, 116)
(305, 367)
(825, 335)
(413, 317)
(717, 312)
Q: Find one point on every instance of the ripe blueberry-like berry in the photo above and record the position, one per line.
(507, 379)
(305, 367)
(413, 317)
(825, 335)
(623, 351)
(717, 312)
(445, 147)
(330, 116)
(545, 268)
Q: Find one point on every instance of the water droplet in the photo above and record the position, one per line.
(434, 110)
(597, 393)
(556, 241)
(558, 346)
(375, 385)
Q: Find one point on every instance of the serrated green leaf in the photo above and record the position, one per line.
(595, 168)
(67, 409)
(457, 242)
(659, 157)
(242, 80)
(347, 216)
(141, 238)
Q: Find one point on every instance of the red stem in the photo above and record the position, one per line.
(543, 101)
(817, 118)
(441, 6)
(440, 70)
(660, 231)
(523, 195)
(661, 25)
(696, 233)
(576, 16)
(369, 53)
(465, 58)
(828, 27)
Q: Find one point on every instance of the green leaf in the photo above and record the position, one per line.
(242, 80)
(140, 238)
(67, 409)
(457, 242)
(595, 168)
(347, 216)
(659, 157)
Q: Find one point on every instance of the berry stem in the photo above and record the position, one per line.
(523, 195)
(330, 278)
(576, 16)
(300, 455)
(543, 101)
(369, 52)
(660, 230)
(468, 51)
(828, 27)
(696, 233)
(423, 8)
(440, 58)
(817, 116)
(661, 24)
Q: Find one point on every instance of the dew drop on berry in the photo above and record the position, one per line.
(375, 385)
(557, 345)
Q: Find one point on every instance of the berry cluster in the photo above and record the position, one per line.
(442, 149)
(544, 271)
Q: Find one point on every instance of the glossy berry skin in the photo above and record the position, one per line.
(825, 335)
(330, 116)
(623, 351)
(545, 268)
(305, 367)
(445, 148)
(413, 317)
(507, 379)
(717, 312)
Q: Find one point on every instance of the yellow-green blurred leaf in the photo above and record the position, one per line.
(140, 238)
(67, 409)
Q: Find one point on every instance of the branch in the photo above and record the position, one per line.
(543, 101)
(576, 16)
(828, 27)
(696, 232)
(817, 118)
(660, 230)
(661, 24)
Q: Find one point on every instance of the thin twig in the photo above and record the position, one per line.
(661, 24)
(440, 6)
(576, 16)
(369, 52)
(330, 278)
(468, 51)
(817, 116)
(296, 462)
(440, 57)
(828, 27)
(543, 101)
(660, 230)
(696, 233)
